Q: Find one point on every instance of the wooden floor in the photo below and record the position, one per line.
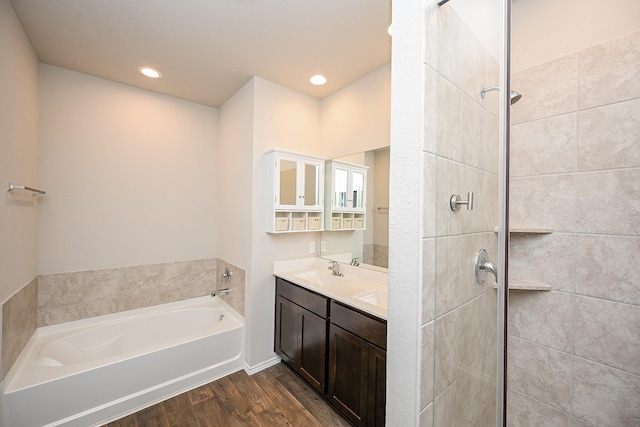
(272, 397)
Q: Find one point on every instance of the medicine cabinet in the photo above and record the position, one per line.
(295, 192)
(346, 195)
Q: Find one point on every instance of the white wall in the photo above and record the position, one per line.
(130, 175)
(547, 29)
(18, 153)
(405, 225)
(289, 120)
(356, 118)
(234, 165)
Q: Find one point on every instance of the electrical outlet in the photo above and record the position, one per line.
(312, 247)
(323, 246)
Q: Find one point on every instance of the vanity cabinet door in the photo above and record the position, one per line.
(301, 332)
(348, 373)
(377, 386)
(356, 385)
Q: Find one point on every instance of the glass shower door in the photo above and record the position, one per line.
(463, 75)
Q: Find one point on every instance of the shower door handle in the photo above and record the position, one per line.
(483, 265)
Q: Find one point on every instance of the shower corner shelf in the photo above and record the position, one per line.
(528, 230)
(527, 285)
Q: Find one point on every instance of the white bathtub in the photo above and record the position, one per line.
(95, 370)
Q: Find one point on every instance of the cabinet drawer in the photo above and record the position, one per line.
(363, 325)
(311, 301)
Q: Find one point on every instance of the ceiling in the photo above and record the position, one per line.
(208, 49)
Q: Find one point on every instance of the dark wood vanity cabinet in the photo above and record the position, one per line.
(301, 332)
(338, 350)
(356, 382)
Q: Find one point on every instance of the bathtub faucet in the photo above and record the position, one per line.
(224, 291)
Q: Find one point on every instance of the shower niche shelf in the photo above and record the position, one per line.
(526, 285)
(528, 230)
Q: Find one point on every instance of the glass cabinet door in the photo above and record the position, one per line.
(288, 182)
(312, 177)
(357, 190)
(340, 187)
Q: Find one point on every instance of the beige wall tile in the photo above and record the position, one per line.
(449, 120)
(549, 382)
(236, 298)
(547, 90)
(609, 202)
(470, 331)
(19, 322)
(428, 280)
(429, 199)
(446, 407)
(609, 136)
(522, 411)
(174, 275)
(491, 139)
(426, 416)
(426, 365)
(555, 252)
(609, 72)
(101, 284)
(607, 267)
(608, 332)
(431, 18)
(431, 82)
(544, 146)
(475, 394)
(60, 289)
(447, 366)
(447, 273)
(545, 201)
(140, 280)
(605, 396)
(542, 317)
(450, 45)
(471, 116)
(474, 65)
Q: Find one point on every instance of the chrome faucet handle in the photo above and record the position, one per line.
(483, 265)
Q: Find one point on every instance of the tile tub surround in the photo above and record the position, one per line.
(71, 296)
(19, 322)
(586, 185)
(237, 285)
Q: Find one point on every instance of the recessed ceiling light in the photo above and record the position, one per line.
(389, 28)
(318, 80)
(150, 72)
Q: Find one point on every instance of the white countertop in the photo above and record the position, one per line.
(364, 289)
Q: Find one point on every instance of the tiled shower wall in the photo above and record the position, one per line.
(57, 298)
(574, 352)
(459, 155)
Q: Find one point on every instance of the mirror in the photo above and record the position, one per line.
(311, 187)
(288, 190)
(371, 245)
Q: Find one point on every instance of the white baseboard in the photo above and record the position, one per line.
(259, 367)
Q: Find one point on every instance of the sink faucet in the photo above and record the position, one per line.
(355, 262)
(335, 267)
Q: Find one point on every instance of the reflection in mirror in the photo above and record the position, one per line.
(311, 188)
(369, 246)
(288, 191)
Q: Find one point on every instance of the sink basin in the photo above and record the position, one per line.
(377, 298)
(320, 278)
